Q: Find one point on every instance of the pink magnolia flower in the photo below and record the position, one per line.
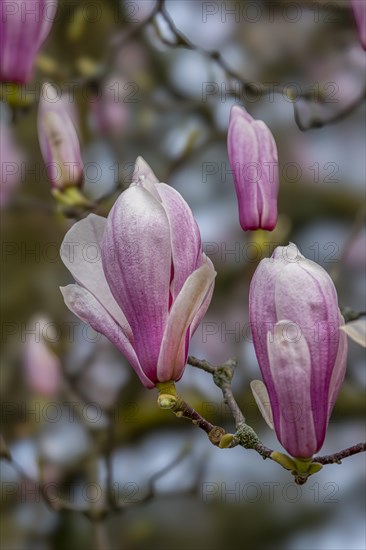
(301, 352)
(254, 161)
(58, 140)
(151, 285)
(24, 26)
(359, 12)
(42, 367)
(109, 109)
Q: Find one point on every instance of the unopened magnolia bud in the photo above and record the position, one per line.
(58, 140)
(303, 374)
(253, 158)
(24, 26)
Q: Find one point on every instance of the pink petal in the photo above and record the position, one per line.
(81, 302)
(185, 239)
(290, 366)
(243, 149)
(305, 293)
(172, 356)
(136, 256)
(339, 369)
(206, 301)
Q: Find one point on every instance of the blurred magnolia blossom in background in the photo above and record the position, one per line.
(109, 109)
(42, 367)
(59, 143)
(24, 26)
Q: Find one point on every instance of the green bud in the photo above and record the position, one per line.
(286, 462)
(226, 441)
(166, 401)
(315, 467)
(302, 465)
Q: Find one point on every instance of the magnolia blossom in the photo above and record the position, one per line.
(359, 11)
(301, 352)
(110, 108)
(42, 368)
(150, 286)
(254, 161)
(24, 26)
(58, 139)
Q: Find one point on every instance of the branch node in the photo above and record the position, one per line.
(247, 437)
(216, 434)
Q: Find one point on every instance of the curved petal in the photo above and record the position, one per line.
(81, 302)
(143, 175)
(306, 294)
(136, 258)
(81, 254)
(206, 302)
(172, 356)
(184, 234)
(261, 397)
(290, 365)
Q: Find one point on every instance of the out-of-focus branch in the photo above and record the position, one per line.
(250, 87)
(356, 229)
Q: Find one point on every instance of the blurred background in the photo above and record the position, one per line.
(158, 80)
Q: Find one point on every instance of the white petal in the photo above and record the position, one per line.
(261, 397)
(356, 330)
(85, 306)
(143, 175)
(81, 254)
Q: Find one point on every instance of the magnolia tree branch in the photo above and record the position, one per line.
(97, 514)
(216, 57)
(337, 458)
(250, 87)
(245, 435)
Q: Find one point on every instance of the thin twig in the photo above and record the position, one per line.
(336, 458)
